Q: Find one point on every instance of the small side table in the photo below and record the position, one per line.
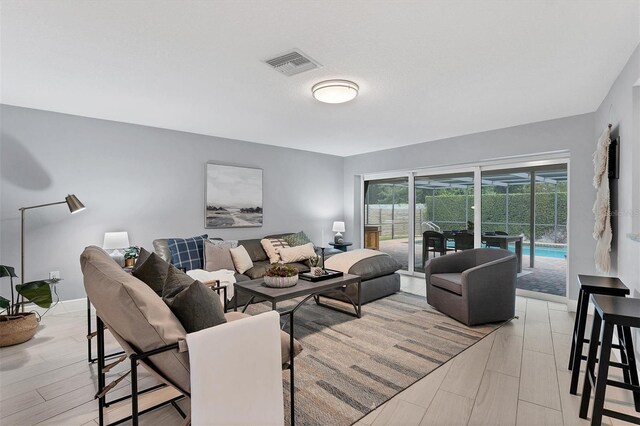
(341, 247)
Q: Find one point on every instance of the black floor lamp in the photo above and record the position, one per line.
(70, 200)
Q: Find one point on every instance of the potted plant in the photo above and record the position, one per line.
(314, 266)
(130, 256)
(281, 276)
(15, 326)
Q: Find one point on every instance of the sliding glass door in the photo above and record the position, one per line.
(444, 212)
(386, 217)
(525, 210)
(416, 216)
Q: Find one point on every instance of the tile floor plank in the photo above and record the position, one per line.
(538, 380)
(448, 409)
(466, 371)
(497, 400)
(399, 412)
(534, 415)
(506, 354)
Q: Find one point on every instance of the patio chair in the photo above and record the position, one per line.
(463, 241)
(494, 244)
(473, 286)
(433, 241)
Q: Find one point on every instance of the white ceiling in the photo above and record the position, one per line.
(426, 69)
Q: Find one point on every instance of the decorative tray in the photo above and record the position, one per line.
(307, 276)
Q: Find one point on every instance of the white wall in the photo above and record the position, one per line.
(143, 180)
(618, 108)
(574, 134)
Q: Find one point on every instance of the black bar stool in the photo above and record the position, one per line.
(589, 285)
(610, 312)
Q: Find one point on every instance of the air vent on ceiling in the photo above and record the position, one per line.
(292, 63)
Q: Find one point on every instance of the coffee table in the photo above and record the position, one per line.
(306, 289)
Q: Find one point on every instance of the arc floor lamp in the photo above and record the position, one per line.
(70, 200)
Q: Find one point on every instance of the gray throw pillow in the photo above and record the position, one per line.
(152, 271)
(217, 256)
(142, 256)
(193, 303)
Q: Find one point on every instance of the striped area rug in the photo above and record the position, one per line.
(350, 366)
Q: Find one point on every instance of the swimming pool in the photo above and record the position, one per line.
(557, 252)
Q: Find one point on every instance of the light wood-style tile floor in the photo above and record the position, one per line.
(517, 375)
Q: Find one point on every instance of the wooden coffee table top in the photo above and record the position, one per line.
(302, 288)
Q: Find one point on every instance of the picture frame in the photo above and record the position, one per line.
(233, 196)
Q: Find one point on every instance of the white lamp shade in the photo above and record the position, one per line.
(338, 226)
(115, 240)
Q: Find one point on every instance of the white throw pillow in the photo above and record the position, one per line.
(271, 247)
(297, 253)
(241, 259)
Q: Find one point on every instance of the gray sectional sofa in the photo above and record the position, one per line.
(378, 273)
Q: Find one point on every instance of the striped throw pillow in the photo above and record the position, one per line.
(271, 247)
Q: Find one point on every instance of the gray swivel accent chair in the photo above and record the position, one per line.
(475, 286)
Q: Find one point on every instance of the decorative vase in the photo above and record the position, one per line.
(316, 271)
(15, 329)
(280, 282)
(129, 262)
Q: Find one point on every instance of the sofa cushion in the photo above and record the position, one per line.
(297, 253)
(152, 271)
(255, 250)
(193, 303)
(284, 338)
(297, 239)
(449, 281)
(258, 270)
(241, 277)
(376, 266)
(187, 253)
(217, 256)
(241, 259)
(135, 313)
(301, 267)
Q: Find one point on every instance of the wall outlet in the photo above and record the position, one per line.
(54, 275)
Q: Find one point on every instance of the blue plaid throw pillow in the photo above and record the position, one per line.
(187, 252)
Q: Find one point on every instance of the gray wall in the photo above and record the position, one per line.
(575, 134)
(146, 181)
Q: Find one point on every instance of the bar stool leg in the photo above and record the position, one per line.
(591, 364)
(579, 341)
(603, 372)
(575, 330)
(633, 368)
(626, 374)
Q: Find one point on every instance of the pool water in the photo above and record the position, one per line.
(543, 251)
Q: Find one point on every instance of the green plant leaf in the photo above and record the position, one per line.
(4, 303)
(37, 292)
(7, 271)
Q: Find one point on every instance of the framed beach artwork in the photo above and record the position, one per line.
(233, 196)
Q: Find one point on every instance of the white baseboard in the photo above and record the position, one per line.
(62, 307)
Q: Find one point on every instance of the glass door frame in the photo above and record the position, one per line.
(534, 160)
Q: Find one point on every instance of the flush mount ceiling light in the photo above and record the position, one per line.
(335, 91)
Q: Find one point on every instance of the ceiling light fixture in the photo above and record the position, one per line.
(335, 91)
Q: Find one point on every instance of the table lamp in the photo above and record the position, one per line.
(338, 227)
(115, 241)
